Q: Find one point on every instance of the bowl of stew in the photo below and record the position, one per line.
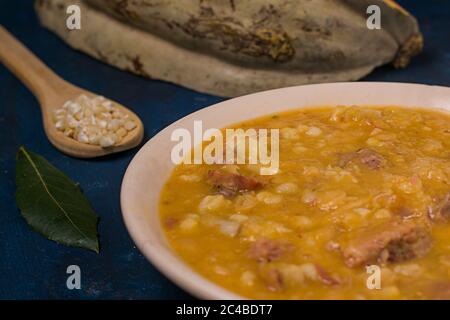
(357, 208)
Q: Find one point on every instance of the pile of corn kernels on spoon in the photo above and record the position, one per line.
(93, 121)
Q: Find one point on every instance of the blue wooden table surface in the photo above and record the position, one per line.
(32, 267)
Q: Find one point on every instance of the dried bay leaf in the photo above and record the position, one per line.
(52, 204)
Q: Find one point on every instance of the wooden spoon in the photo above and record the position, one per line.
(52, 92)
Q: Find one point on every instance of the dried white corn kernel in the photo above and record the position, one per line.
(59, 112)
(82, 137)
(71, 122)
(121, 132)
(116, 114)
(102, 123)
(94, 139)
(78, 116)
(113, 125)
(99, 109)
(60, 125)
(130, 125)
(88, 112)
(105, 115)
(108, 140)
(73, 108)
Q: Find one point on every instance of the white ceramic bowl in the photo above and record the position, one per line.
(152, 165)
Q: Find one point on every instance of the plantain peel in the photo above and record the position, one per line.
(234, 47)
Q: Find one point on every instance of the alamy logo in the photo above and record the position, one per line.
(73, 21)
(74, 280)
(374, 278)
(374, 20)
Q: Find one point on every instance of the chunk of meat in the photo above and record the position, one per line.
(229, 184)
(391, 242)
(267, 250)
(365, 156)
(442, 211)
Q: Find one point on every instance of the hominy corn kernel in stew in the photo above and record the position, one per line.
(357, 186)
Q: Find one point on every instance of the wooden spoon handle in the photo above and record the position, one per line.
(42, 81)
